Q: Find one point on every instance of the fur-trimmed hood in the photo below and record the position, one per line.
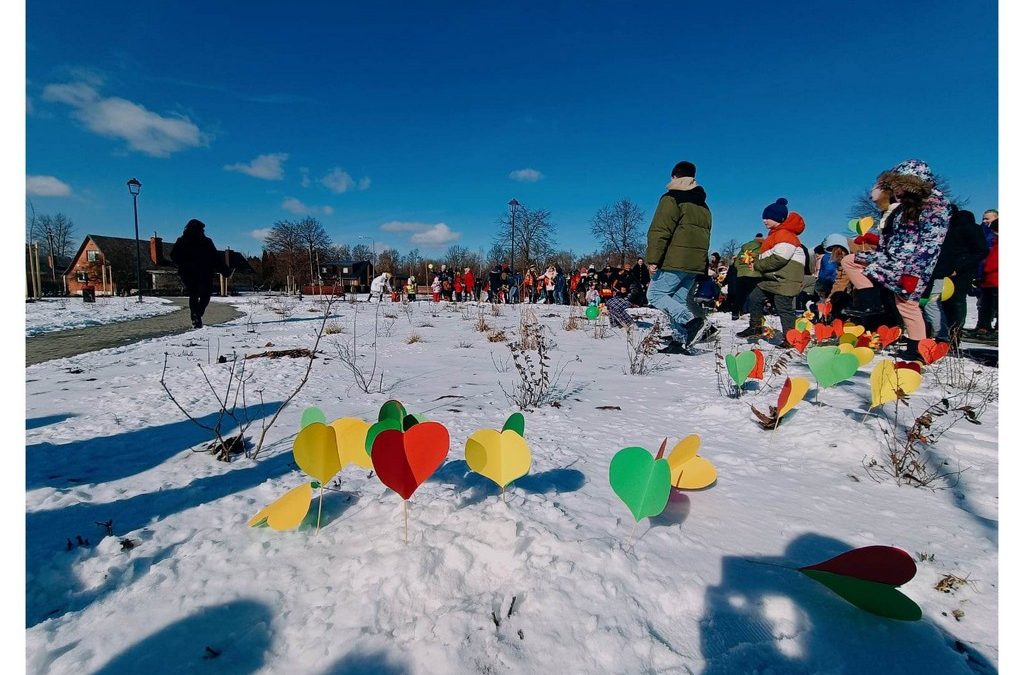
(911, 175)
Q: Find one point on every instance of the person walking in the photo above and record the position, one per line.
(677, 253)
(470, 282)
(962, 251)
(197, 260)
(746, 277)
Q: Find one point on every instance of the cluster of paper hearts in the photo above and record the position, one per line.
(890, 382)
(867, 578)
(931, 351)
(745, 365)
(830, 365)
(502, 456)
(861, 225)
(793, 391)
(643, 482)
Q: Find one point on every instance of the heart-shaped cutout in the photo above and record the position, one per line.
(825, 309)
(758, 372)
(853, 329)
(501, 456)
(798, 339)
(887, 381)
(931, 351)
(830, 366)
(391, 423)
(888, 335)
(404, 460)
(803, 323)
(881, 564)
(948, 287)
(687, 470)
(517, 423)
(391, 410)
(848, 339)
(740, 366)
(837, 327)
(879, 599)
(910, 365)
(316, 451)
(640, 481)
(865, 224)
(863, 354)
(822, 332)
(350, 435)
(287, 511)
(793, 391)
(310, 415)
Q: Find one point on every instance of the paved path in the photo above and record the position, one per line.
(61, 344)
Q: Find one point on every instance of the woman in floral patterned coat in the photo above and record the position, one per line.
(913, 226)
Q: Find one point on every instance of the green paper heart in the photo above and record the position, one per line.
(391, 410)
(871, 596)
(411, 420)
(593, 311)
(640, 481)
(853, 225)
(740, 366)
(830, 366)
(517, 423)
(310, 415)
(375, 429)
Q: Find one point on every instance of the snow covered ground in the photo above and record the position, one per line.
(201, 592)
(53, 314)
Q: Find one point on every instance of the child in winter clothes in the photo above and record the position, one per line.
(435, 288)
(781, 263)
(593, 295)
(410, 289)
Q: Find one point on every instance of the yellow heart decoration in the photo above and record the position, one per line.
(865, 224)
(798, 389)
(847, 339)
(863, 354)
(316, 451)
(947, 289)
(854, 330)
(287, 512)
(886, 379)
(804, 324)
(501, 456)
(350, 435)
(688, 471)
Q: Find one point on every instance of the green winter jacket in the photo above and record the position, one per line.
(754, 247)
(782, 258)
(680, 232)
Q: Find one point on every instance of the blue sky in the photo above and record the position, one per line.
(415, 124)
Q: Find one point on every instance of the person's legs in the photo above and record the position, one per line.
(786, 305)
(986, 309)
(663, 292)
(855, 272)
(913, 319)
(932, 314)
(755, 305)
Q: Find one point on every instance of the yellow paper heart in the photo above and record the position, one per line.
(501, 456)
(350, 435)
(688, 471)
(863, 354)
(886, 379)
(947, 289)
(865, 224)
(316, 451)
(847, 339)
(798, 389)
(804, 324)
(853, 329)
(287, 511)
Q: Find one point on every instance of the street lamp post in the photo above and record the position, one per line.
(513, 205)
(134, 187)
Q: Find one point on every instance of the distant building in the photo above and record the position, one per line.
(346, 276)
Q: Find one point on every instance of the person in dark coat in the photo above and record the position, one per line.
(963, 249)
(494, 279)
(197, 260)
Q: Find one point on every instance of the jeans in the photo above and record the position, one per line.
(672, 292)
(934, 315)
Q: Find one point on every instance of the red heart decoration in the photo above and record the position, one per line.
(909, 365)
(798, 339)
(404, 460)
(931, 351)
(822, 332)
(824, 309)
(881, 564)
(888, 335)
(838, 327)
(758, 372)
(864, 340)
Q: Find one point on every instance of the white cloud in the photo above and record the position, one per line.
(46, 186)
(260, 234)
(144, 130)
(526, 175)
(403, 226)
(338, 181)
(305, 176)
(267, 167)
(298, 208)
(364, 183)
(436, 235)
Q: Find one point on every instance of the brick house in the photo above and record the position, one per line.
(108, 265)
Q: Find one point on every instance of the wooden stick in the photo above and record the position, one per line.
(319, 510)
(778, 417)
(631, 533)
(405, 509)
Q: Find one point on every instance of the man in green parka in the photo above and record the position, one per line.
(677, 253)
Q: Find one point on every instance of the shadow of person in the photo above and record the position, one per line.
(368, 662)
(230, 638)
(764, 618)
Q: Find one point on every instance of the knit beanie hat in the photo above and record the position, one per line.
(776, 211)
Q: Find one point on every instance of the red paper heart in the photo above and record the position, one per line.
(404, 460)
(824, 309)
(822, 332)
(881, 564)
(888, 335)
(758, 372)
(864, 340)
(931, 351)
(798, 339)
(909, 365)
(838, 327)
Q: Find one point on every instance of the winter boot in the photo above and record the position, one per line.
(909, 352)
(696, 330)
(867, 302)
(676, 347)
(749, 332)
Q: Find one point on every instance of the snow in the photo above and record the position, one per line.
(54, 314)
(700, 589)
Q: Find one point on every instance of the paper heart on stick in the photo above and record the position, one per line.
(803, 323)
(910, 365)
(931, 351)
(316, 451)
(888, 335)
(391, 410)
(799, 339)
(948, 287)
(867, 577)
(739, 366)
(853, 225)
(863, 354)
(830, 366)
(515, 422)
(825, 309)
(350, 435)
(394, 424)
(501, 456)
(688, 471)
(758, 372)
(888, 382)
(853, 329)
(404, 460)
(865, 224)
(793, 391)
(310, 415)
(848, 339)
(287, 511)
(593, 311)
(640, 481)
(822, 332)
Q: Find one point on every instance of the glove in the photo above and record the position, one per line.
(908, 283)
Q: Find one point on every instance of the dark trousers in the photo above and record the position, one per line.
(785, 305)
(988, 307)
(955, 308)
(744, 287)
(198, 299)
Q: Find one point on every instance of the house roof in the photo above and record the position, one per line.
(120, 253)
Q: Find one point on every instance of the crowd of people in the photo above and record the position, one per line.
(892, 274)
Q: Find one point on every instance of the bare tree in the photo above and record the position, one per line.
(456, 256)
(362, 252)
(863, 206)
(729, 250)
(388, 260)
(285, 244)
(54, 233)
(315, 240)
(617, 227)
(534, 233)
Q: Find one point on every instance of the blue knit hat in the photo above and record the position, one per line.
(776, 211)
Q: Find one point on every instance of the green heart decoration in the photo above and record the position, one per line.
(640, 481)
(830, 366)
(517, 423)
(392, 410)
(740, 366)
(310, 415)
(871, 596)
(593, 311)
(375, 429)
